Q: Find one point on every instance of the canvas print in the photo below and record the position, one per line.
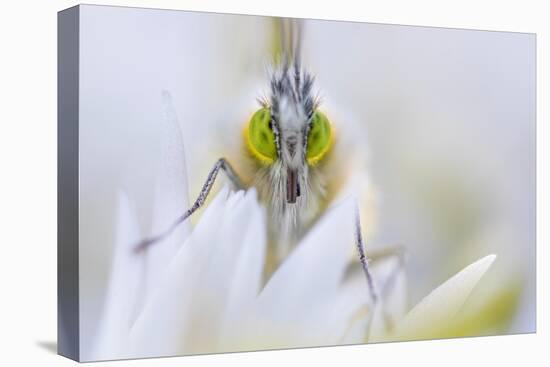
(235, 183)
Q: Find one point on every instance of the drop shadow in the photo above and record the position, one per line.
(49, 346)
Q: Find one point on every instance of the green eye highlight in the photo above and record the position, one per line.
(260, 138)
(319, 140)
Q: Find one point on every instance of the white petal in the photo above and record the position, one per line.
(301, 292)
(396, 300)
(350, 312)
(216, 271)
(391, 283)
(171, 194)
(442, 304)
(216, 284)
(161, 325)
(124, 286)
(246, 281)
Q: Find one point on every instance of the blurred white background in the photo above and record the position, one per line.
(448, 118)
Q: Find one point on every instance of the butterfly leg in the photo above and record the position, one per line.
(221, 164)
(363, 258)
(396, 252)
(376, 295)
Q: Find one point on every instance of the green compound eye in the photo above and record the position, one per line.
(260, 137)
(319, 140)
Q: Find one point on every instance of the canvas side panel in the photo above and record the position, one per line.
(67, 183)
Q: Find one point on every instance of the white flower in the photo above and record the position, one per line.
(210, 298)
(202, 290)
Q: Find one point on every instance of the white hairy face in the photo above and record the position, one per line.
(290, 187)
